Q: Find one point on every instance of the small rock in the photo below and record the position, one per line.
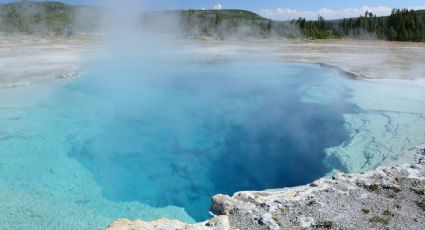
(219, 223)
(338, 176)
(163, 227)
(221, 205)
(306, 222)
(267, 221)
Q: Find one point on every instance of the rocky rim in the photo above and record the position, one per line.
(386, 198)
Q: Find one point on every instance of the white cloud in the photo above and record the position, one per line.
(217, 7)
(327, 13)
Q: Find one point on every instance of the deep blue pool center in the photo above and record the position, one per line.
(181, 135)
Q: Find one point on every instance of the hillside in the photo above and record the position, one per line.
(421, 12)
(63, 19)
(56, 18)
(47, 18)
(227, 23)
(208, 23)
(225, 14)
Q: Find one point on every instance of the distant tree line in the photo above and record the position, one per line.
(401, 25)
(55, 18)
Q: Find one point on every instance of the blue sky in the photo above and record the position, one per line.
(281, 9)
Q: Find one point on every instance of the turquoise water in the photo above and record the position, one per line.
(147, 139)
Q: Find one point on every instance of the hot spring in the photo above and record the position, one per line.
(145, 139)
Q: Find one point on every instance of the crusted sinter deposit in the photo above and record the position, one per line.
(365, 59)
(25, 60)
(386, 198)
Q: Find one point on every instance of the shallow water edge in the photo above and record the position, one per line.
(389, 115)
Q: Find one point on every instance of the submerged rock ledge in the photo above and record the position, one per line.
(386, 198)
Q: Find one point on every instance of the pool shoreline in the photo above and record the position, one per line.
(361, 59)
(356, 198)
(221, 204)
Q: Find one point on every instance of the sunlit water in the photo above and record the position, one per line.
(158, 140)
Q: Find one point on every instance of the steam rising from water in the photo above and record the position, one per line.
(123, 26)
(158, 126)
(180, 134)
(178, 128)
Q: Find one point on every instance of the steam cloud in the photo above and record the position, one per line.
(217, 7)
